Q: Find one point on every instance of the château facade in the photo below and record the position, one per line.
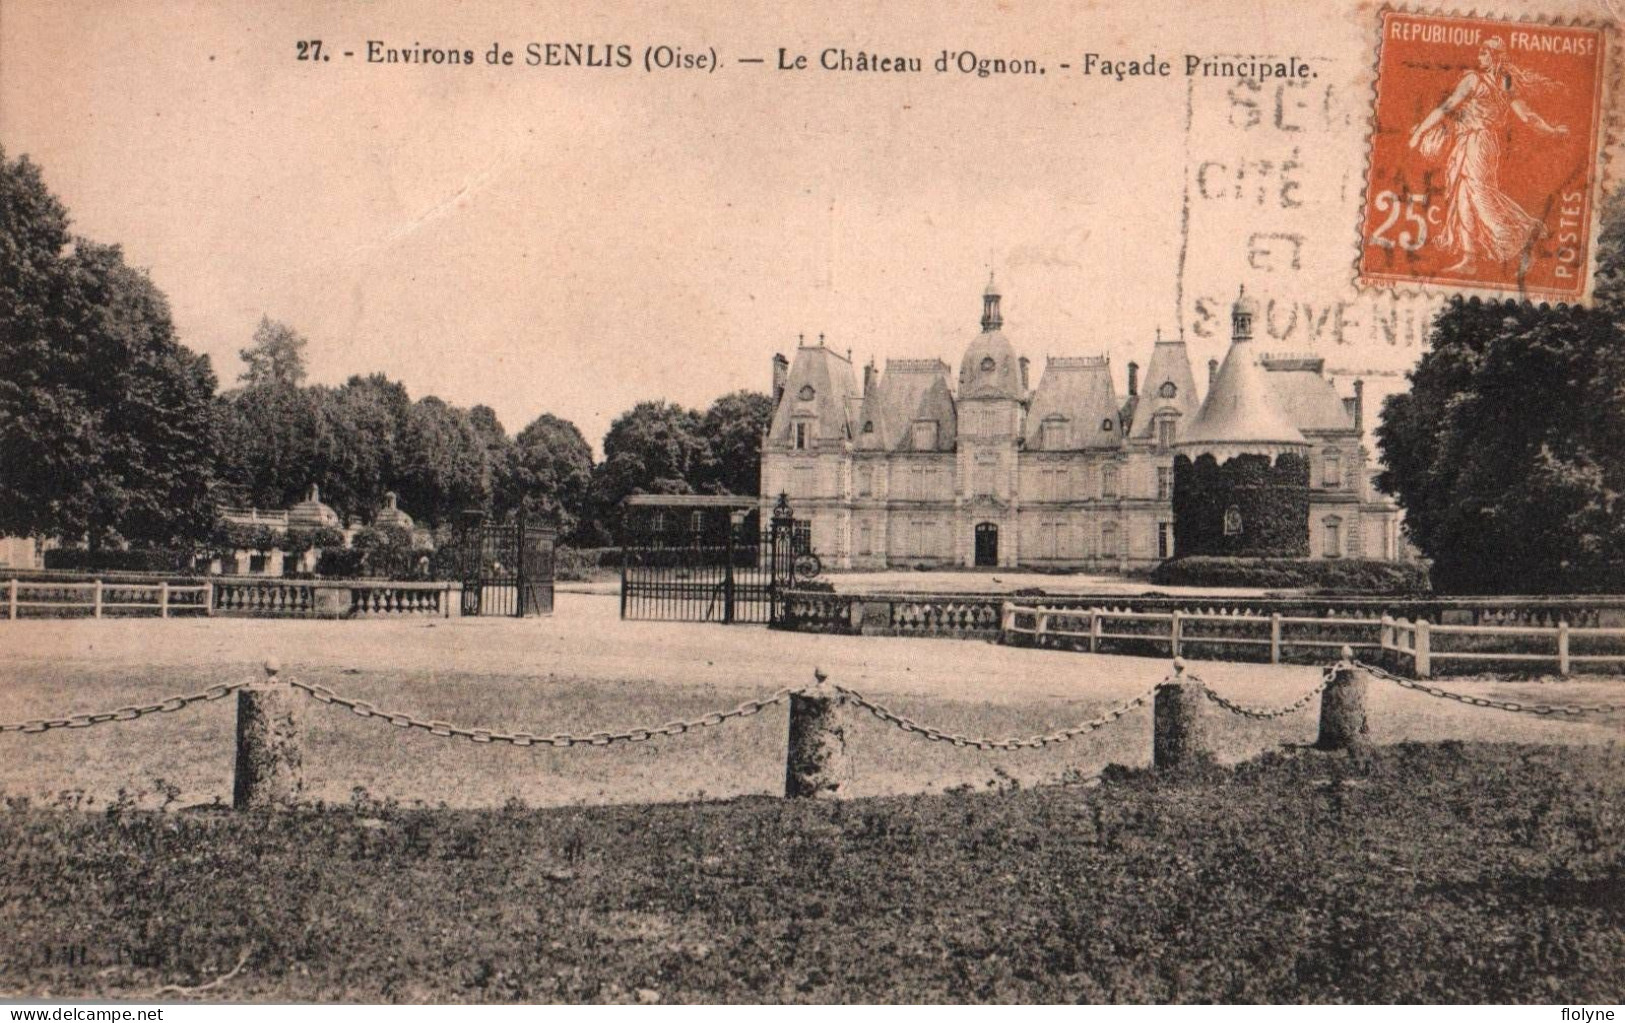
(919, 466)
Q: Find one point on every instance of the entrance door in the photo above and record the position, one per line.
(987, 545)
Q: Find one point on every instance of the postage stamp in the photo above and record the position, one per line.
(1484, 158)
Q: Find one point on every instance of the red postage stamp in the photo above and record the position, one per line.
(1484, 161)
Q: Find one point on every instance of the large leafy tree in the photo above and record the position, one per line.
(107, 427)
(1508, 451)
(733, 428)
(275, 356)
(548, 474)
(441, 466)
(654, 448)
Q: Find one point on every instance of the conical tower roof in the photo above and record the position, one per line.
(1241, 414)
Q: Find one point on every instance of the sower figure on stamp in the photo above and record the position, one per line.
(1479, 217)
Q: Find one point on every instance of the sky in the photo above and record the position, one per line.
(574, 240)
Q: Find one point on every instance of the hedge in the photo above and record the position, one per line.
(79, 559)
(1343, 575)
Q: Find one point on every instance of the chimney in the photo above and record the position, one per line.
(1212, 372)
(1133, 379)
(781, 373)
(868, 378)
(1359, 405)
(1024, 374)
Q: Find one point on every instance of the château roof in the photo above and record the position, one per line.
(1170, 364)
(990, 369)
(1304, 394)
(910, 390)
(1241, 409)
(1078, 391)
(818, 386)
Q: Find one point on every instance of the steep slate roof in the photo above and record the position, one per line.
(1308, 398)
(1241, 408)
(1080, 391)
(1170, 363)
(1003, 377)
(908, 391)
(829, 377)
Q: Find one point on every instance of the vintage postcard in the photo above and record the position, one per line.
(946, 501)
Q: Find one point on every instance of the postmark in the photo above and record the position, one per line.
(1484, 158)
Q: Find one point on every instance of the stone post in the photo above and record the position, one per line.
(816, 765)
(1178, 738)
(270, 760)
(1343, 723)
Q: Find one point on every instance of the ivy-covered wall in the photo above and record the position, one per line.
(1271, 499)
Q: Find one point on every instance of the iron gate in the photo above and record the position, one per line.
(506, 569)
(736, 579)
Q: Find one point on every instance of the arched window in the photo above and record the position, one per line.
(806, 393)
(988, 365)
(1232, 521)
(1331, 471)
(869, 426)
(1106, 425)
(1167, 390)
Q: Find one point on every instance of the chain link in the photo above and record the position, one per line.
(911, 726)
(165, 706)
(1258, 714)
(447, 730)
(1573, 710)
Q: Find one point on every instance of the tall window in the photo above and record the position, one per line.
(1331, 474)
(1108, 540)
(1108, 482)
(866, 539)
(1165, 482)
(866, 480)
(1333, 541)
(925, 436)
(1165, 540)
(804, 434)
(984, 474)
(696, 522)
(1165, 433)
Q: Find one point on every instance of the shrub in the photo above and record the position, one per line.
(79, 559)
(339, 563)
(1342, 575)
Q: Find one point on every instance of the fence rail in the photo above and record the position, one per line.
(99, 599)
(1420, 645)
(1095, 627)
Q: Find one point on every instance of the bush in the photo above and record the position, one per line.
(1341, 575)
(339, 563)
(78, 559)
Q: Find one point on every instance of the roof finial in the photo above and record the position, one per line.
(801, 340)
(820, 339)
(1159, 335)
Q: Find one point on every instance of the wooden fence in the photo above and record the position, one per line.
(100, 599)
(1420, 646)
(1273, 637)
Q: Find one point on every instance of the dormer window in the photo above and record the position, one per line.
(869, 426)
(925, 435)
(1165, 432)
(803, 436)
(1054, 433)
(1167, 390)
(1106, 426)
(806, 393)
(988, 365)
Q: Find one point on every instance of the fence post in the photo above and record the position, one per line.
(1423, 652)
(1275, 637)
(1343, 724)
(270, 760)
(1094, 629)
(208, 598)
(1385, 638)
(1562, 648)
(11, 600)
(96, 598)
(1178, 739)
(1040, 626)
(163, 599)
(816, 763)
(1173, 635)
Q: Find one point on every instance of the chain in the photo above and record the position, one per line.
(1257, 714)
(1479, 701)
(891, 717)
(167, 706)
(446, 730)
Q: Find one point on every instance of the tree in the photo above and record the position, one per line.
(441, 467)
(1508, 451)
(275, 356)
(654, 448)
(733, 428)
(547, 473)
(106, 422)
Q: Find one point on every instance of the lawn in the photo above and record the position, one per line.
(1427, 873)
